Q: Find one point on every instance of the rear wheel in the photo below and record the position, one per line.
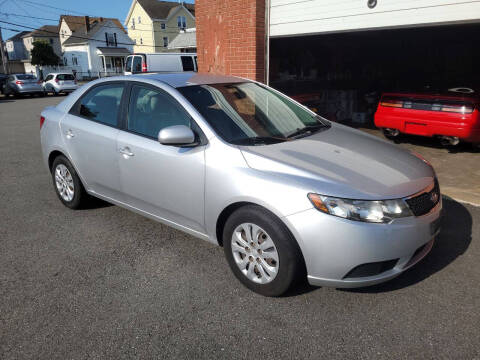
(67, 184)
(261, 251)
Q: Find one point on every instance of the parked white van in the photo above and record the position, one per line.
(160, 62)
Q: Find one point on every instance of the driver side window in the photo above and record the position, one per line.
(151, 110)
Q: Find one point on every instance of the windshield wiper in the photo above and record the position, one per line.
(256, 140)
(307, 130)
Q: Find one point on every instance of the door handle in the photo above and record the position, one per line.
(126, 151)
(69, 134)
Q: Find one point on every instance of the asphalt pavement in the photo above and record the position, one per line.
(105, 283)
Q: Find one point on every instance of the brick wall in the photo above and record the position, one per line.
(231, 37)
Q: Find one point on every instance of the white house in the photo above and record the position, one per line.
(94, 46)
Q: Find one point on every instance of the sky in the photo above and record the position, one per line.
(52, 9)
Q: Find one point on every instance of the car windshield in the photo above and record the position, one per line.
(25, 77)
(250, 114)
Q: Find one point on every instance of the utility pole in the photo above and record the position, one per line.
(3, 55)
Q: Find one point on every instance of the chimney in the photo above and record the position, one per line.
(87, 24)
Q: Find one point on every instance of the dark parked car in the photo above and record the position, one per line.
(3, 80)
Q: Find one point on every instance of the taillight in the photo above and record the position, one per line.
(57, 81)
(392, 103)
(42, 120)
(144, 66)
(462, 109)
(39, 82)
(18, 82)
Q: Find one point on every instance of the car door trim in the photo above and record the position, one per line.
(152, 216)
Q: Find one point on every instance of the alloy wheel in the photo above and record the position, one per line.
(64, 182)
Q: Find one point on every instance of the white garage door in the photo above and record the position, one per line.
(302, 17)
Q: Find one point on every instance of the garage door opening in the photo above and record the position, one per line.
(342, 76)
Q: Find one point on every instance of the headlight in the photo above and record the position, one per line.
(376, 211)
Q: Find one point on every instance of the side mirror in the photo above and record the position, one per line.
(179, 135)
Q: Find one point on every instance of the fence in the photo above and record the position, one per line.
(92, 75)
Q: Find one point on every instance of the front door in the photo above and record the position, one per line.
(90, 133)
(165, 181)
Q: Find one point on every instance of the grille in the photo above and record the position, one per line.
(423, 203)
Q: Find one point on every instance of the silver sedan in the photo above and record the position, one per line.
(21, 84)
(288, 194)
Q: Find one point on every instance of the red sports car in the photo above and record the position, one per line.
(452, 116)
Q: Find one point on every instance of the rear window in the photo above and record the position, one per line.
(25, 77)
(128, 65)
(65, 77)
(137, 64)
(187, 63)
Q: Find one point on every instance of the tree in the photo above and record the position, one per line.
(43, 54)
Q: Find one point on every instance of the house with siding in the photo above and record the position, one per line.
(94, 46)
(46, 33)
(153, 25)
(15, 47)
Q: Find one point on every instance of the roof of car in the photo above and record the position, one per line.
(177, 80)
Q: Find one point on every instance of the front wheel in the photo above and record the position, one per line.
(261, 252)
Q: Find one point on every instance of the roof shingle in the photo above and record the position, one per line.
(45, 30)
(78, 22)
(162, 9)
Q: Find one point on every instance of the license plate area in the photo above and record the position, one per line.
(416, 128)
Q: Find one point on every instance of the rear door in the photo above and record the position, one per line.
(165, 181)
(66, 79)
(137, 64)
(128, 65)
(90, 133)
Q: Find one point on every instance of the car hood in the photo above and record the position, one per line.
(343, 162)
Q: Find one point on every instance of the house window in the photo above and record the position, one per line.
(51, 41)
(111, 39)
(139, 20)
(165, 41)
(181, 22)
(74, 60)
(141, 41)
(65, 62)
(162, 26)
(133, 23)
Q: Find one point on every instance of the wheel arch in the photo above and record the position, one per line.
(54, 154)
(231, 208)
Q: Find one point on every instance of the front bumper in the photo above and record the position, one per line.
(332, 247)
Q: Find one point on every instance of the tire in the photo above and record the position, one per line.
(267, 227)
(69, 182)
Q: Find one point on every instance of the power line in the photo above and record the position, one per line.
(82, 22)
(53, 7)
(75, 36)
